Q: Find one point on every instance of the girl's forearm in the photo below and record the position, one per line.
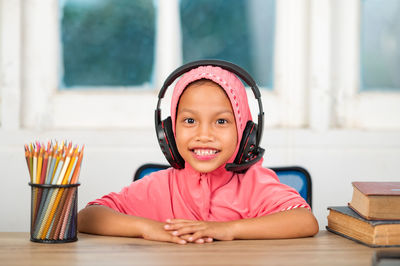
(101, 220)
(288, 224)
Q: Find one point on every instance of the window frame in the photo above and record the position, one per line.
(10, 64)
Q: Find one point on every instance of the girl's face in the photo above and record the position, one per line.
(206, 134)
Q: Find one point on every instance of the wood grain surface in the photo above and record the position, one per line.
(323, 249)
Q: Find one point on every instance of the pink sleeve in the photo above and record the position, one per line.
(141, 198)
(118, 201)
(269, 196)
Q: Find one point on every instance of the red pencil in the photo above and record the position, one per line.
(44, 167)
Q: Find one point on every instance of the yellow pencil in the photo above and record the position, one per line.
(70, 166)
(31, 151)
(39, 165)
(35, 158)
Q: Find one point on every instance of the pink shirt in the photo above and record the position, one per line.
(216, 196)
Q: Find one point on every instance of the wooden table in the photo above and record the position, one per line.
(323, 249)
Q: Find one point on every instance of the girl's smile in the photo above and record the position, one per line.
(204, 153)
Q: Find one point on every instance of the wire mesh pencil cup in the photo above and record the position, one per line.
(54, 213)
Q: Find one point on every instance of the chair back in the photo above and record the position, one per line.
(294, 176)
(298, 178)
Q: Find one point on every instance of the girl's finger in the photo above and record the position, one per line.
(188, 230)
(178, 240)
(178, 221)
(177, 226)
(170, 227)
(201, 234)
(185, 237)
(198, 241)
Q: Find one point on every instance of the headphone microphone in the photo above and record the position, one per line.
(249, 151)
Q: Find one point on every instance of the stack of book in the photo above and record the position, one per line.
(372, 217)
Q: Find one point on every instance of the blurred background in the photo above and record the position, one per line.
(89, 71)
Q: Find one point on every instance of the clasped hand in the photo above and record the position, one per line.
(182, 231)
(198, 231)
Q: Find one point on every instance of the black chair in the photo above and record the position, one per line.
(294, 176)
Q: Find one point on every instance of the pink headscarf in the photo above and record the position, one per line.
(219, 195)
(232, 86)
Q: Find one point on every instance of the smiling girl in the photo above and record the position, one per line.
(204, 201)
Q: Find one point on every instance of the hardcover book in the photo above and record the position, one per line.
(376, 200)
(343, 221)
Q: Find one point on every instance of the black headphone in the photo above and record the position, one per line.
(249, 151)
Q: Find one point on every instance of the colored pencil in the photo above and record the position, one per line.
(52, 161)
(39, 165)
(64, 169)
(35, 157)
(58, 158)
(75, 176)
(50, 152)
(71, 167)
(27, 158)
(44, 168)
(31, 160)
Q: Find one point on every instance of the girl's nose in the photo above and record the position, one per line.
(205, 133)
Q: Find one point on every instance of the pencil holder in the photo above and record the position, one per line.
(54, 213)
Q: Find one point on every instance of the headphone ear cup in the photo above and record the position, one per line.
(248, 144)
(166, 139)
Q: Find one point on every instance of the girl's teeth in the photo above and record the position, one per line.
(202, 152)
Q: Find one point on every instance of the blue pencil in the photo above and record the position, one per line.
(58, 170)
(51, 169)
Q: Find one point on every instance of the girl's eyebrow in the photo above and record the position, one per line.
(195, 112)
(225, 111)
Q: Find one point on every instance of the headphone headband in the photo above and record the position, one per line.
(235, 69)
(240, 72)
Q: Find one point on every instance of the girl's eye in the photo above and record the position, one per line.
(189, 120)
(222, 121)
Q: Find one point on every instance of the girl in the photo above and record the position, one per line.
(203, 201)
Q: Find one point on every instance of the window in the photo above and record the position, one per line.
(380, 43)
(241, 32)
(363, 58)
(107, 43)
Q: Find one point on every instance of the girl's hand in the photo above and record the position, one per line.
(199, 231)
(197, 241)
(153, 230)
